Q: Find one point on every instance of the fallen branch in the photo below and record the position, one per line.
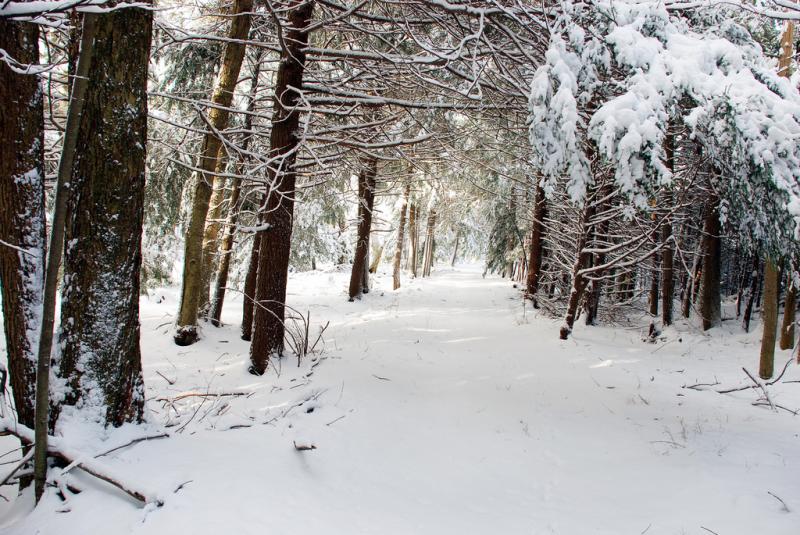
(22, 462)
(56, 449)
(204, 395)
(760, 385)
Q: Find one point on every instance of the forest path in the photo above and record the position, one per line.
(447, 408)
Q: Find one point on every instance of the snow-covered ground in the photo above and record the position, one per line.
(445, 407)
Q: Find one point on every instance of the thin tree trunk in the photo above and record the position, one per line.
(55, 250)
(366, 201)
(667, 253)
(710, 301)
(455, 249)
(537, 245)
(754, 284)
(429, 244)
(234, 204)
(769, 313)
(276, 243)
(789, 309)
(375, 262)
(249, 296)
(22, 211)
(413, 236)
(398, 250)
(222, 98)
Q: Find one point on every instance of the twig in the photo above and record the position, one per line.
(22, 462)
(708, 530)
(381, 378)
(303, 447)
(167, 379)
(761, 386)
(785, 507)
(203, 395)
(785, 367)
(336, 420)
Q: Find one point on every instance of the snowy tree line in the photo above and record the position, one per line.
(607, 155)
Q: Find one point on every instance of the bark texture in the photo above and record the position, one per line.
(276, 242)
(100, 358)
(22, 220)
(710, 298)
(769, 313)
(366, 201)
(401, 229)
(790, 306)
(536, 252)
(233, 56)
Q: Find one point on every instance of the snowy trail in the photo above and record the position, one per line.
(447, 408)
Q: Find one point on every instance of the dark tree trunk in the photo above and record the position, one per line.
(427, 261)
(790, 306)
(398, 251)
(413, 237)
(667, 253)
(100, 358)
(250, 289)
(711, 301)
(751, 297)
(22, 212)
(579, 280)
(276, 243)
(537, 245)
(192, 281)
(366, 200)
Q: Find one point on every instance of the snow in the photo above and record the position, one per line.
(445, 407)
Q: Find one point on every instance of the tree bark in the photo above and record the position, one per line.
(211, 233)
(366, 202)
(398, 250)
(770, 315)
(789, 309)
(22, 211)
(413, 237)
(250, 289)
(711, 301)
(455, 249)
(186, 333)
(537, 246)
(751, 297)
(427, 262)
(578, 278)
(100, 356)
(278, 215)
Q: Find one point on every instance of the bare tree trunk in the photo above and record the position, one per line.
(186, 333)
(234, 206)
(414, 237)
(754, 284)
(276, 243)
(789, 309)
(710, 301)
(398, 250)
(55, 250)
(100, 355)
(455, 249)
(211, 233)
(429, 244)
(22, 211)
(770, 315)
(250, 289)
(578, 278)
(667, 253)
(377, 255)
(537, 245)
(366, 201)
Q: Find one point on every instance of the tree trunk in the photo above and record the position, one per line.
(429, 244)
(413, 237)
(234, 204)
(667, 253)
(100, 356)
(186, 332)
(751, 298)
(366, 201)
(455, 249)
(65, 167)
(377, 255)
(770, 315)
(22, 211)
(276, 243)
(398, 250)
(710, 301)
(249, 296)
(537, 245)
(578, 278)
(790, 306)
(211, 233)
